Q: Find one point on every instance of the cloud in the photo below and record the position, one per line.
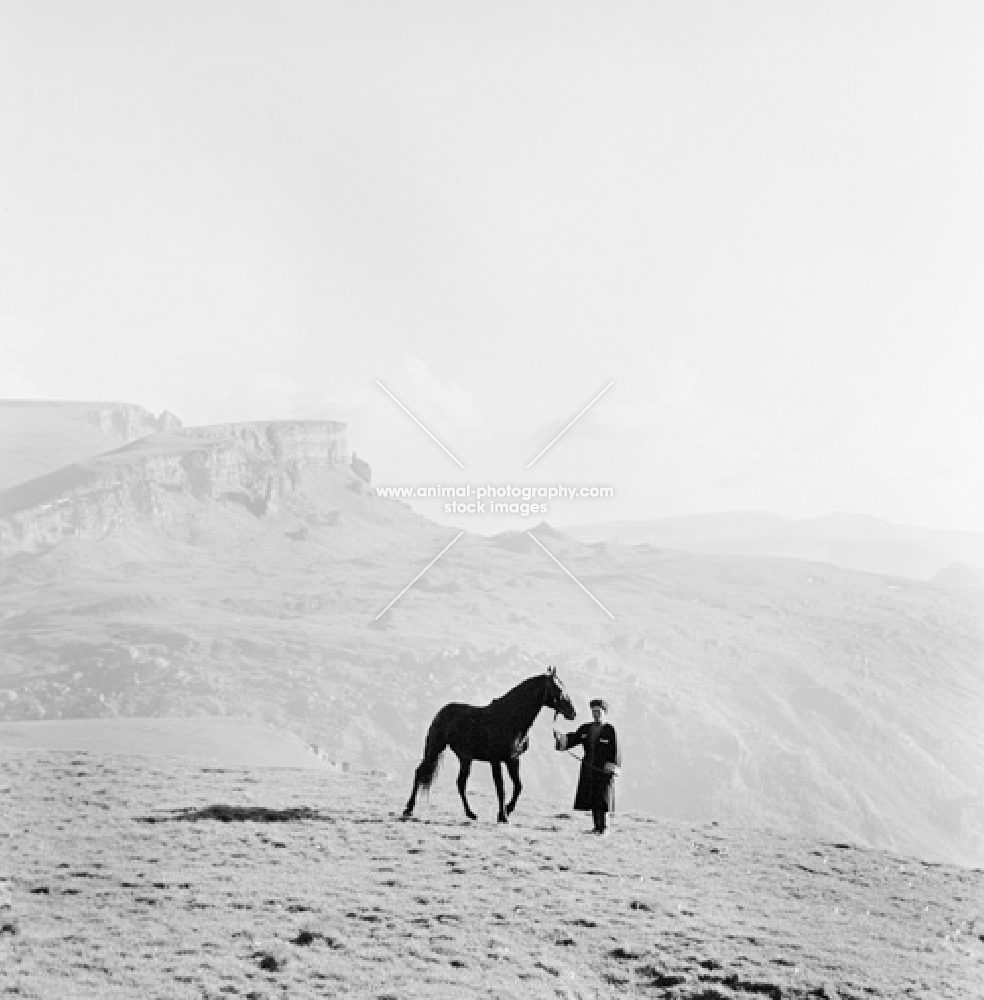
(437, 403)
(282, 394)
(442, 401)
(263, 395)
(646, 396)
(653, 414)
(380, 429)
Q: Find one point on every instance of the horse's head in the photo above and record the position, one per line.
(556, 697)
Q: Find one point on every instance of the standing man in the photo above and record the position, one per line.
(600, 764)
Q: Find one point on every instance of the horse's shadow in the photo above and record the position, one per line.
(238, 814)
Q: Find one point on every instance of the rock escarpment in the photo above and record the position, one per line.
(38, 437)
(128, 421)
(253, 464)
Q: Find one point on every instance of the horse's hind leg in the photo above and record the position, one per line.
(499, 789)
(462, 782)
(422, 778)
(426, 771)
(412, 801)
(512, 766)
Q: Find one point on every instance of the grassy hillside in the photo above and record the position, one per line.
(125, 877)
(772, 692)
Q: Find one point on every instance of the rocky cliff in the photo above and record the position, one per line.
(128, 421)
(253, 464)
(38, 437)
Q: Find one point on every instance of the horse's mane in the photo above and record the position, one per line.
(520, 693)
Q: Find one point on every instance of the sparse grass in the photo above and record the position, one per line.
(299, 883)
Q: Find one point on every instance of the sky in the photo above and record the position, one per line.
(761, 224)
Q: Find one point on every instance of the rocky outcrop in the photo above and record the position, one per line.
(38, 437)
(361, 468)
(129, 422)
(252, 464)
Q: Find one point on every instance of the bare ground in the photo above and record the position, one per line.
(135, 877)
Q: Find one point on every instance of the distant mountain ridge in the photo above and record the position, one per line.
(854, 541)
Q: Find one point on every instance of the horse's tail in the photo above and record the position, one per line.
(434, 747)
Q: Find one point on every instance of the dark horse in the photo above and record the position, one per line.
(497, 733)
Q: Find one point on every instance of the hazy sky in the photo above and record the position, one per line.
(764, 221)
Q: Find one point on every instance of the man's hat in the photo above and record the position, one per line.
(599, 703)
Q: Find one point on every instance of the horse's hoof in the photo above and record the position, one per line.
(471, 815)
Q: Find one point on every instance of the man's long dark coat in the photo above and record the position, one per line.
(595, 788)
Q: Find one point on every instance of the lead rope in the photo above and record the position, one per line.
(571, 752)
(600, 770)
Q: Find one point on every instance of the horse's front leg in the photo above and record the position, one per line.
(499, 789)
(462, 782)
(512, 766)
